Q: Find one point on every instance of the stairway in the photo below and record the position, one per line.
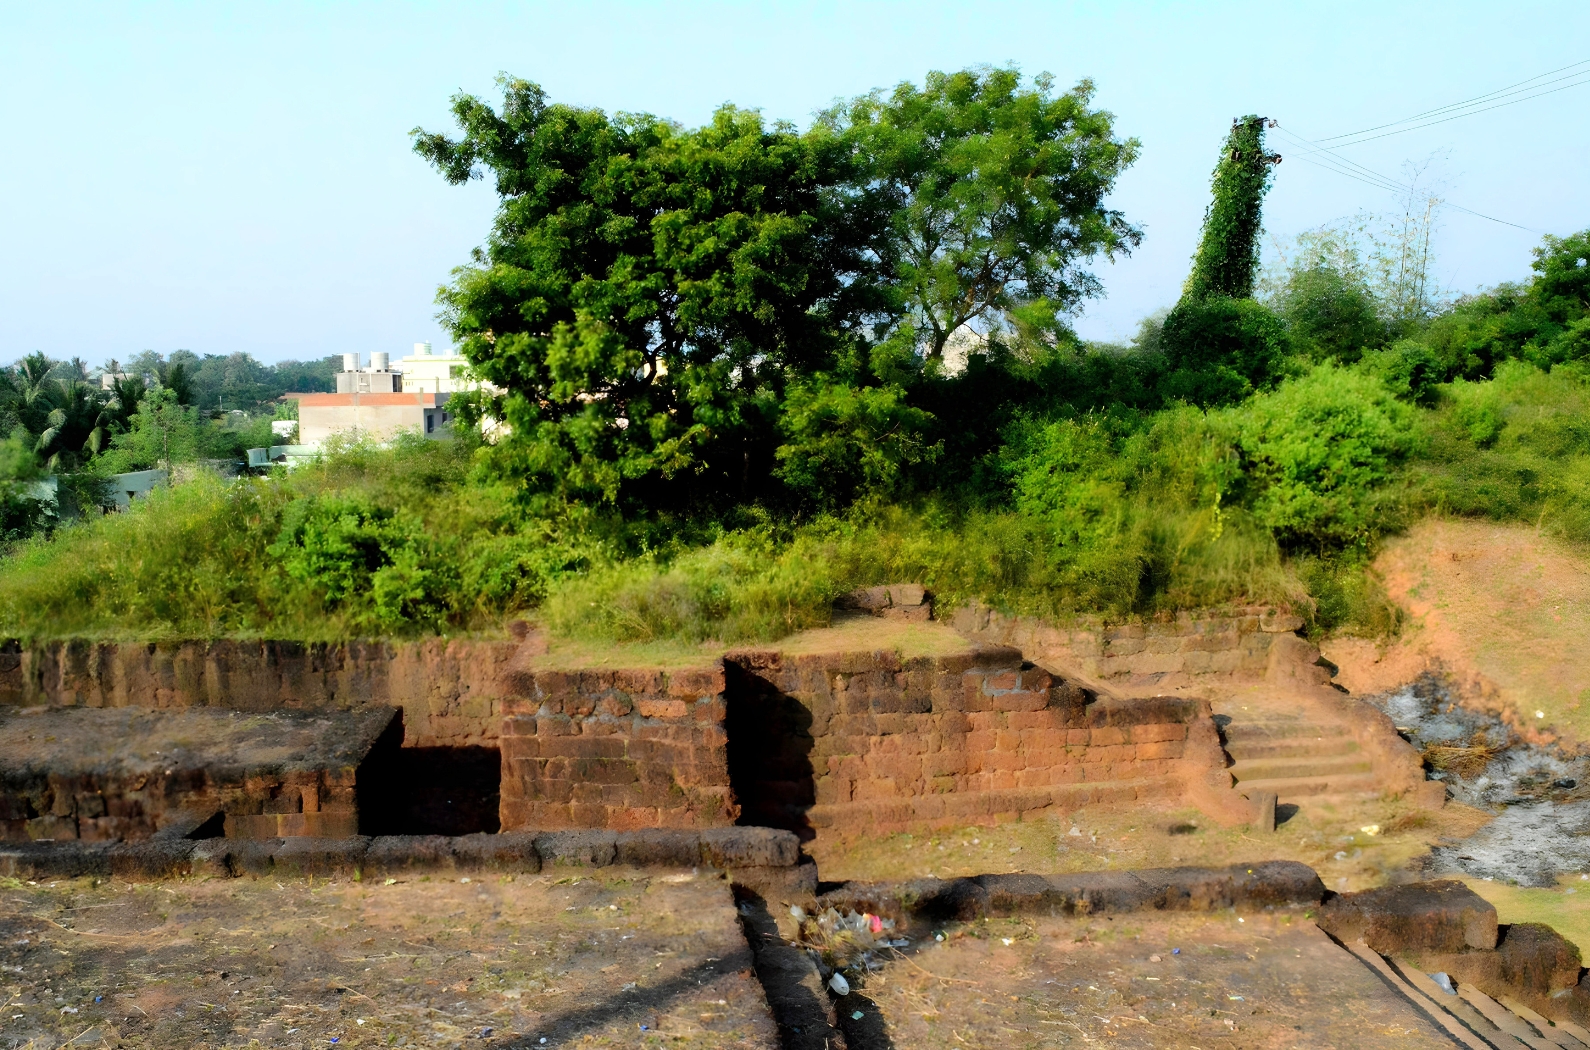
(1294, 758)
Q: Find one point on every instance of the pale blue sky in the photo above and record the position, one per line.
(238, 177)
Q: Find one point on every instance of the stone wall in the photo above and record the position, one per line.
(1160, 654)
(867, 741)
(450, 691)
(615, 749)
(102, 774)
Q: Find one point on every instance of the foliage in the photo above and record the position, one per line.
(658, 302)
(844, 442)
(642, 288)
(367, 541)
(1219, 344)
(994, 196)
(1515, 448)
(1330, 314)
(1219, 350)
(1319, 455)
(1227, 261)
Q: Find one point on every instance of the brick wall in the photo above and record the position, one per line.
(615, 749)
(865, 741)
(1159, 654)
(449, 690)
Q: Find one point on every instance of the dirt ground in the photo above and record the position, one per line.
(1494, 602)
(1329, 837)
(590, 959)
(1188, 981)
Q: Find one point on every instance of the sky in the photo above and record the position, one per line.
(221, 177)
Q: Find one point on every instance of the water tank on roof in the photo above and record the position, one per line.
(422, 349)
(379, 361)
(350, 362)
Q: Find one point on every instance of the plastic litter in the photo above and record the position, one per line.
(846, 942)
(99, 998)
(1445, 983)
(838, 983)
(858, 1015)
(1008, 941)
(1236, 998)
(1370, 829)
(485, 1033)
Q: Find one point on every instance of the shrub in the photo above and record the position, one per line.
(1219, 350)
(1319, 455)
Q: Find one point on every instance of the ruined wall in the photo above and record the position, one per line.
(864, 741)
(615, 749)
(1161, 654)
(449, 690)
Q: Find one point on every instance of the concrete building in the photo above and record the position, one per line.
(379, 378)
(427, 373)
(378, 416)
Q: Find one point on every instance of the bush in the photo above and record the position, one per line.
(1319, 455)
(1330, 315)
(1219, 350)
(368, 541)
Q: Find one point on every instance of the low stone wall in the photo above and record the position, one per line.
(450, 691)
(749, 854)
(616, 749)
(869, 742)
(1157, 654)
(129, 773)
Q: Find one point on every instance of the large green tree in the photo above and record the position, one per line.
(644, 288)
(995, 193)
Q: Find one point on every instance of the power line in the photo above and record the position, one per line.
(1501, 92)
(1370, 177)
(1467, 113)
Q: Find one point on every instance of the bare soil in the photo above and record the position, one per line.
(598, 959)
(1328, 836)
(1501, 607)
(1201, 981)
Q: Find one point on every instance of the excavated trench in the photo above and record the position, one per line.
(1540, 795)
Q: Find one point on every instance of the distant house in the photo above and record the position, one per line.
(425, 372)
(378, 416)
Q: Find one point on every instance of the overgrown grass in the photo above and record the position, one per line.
(209, 557)
(1514, 448)
(1278, 501)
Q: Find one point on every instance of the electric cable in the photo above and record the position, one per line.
(1370, 177)
(1501, 92)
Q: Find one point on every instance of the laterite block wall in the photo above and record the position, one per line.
(616, 749)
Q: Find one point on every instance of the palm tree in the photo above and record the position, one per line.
(78, 422)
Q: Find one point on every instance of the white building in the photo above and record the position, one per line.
(425, 372)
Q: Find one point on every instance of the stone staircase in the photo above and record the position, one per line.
(1295, 758)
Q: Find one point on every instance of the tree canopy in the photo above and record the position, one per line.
(669, 310)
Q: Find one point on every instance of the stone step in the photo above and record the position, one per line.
(1287, 789)
(1294, 768)
(1281, 730)
(1291, 747)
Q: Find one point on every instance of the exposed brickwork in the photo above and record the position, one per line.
(980, 736)
(615, 749)
(1158, 654)
(126, 774)
(449, 690)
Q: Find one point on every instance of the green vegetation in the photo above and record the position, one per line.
(746, 368)
(156, 412)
